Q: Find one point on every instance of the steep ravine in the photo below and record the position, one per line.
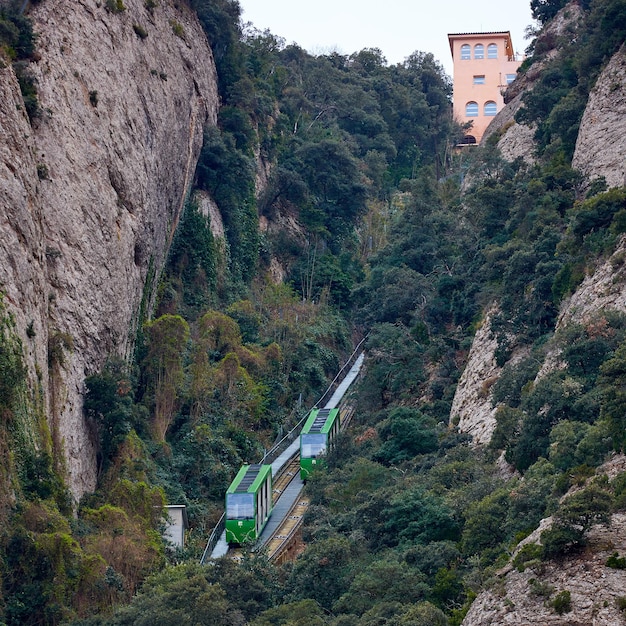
(594, 587)
(91, 194)
(602, 134)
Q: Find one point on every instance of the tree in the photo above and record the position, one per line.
(415, 516)
(300, 613)
(544, 10)
(178, 595)
(405, 434)
(323, 572)
(108, 401)
(335, 183)
(613, 387)
(167, 346)
(385, 580)
(423, 614)
(576, 515)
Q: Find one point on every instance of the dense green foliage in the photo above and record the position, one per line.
(556, 103)
(17, 44)
(409, 522)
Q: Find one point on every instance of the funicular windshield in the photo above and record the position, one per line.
(313, 445)
(239, 506)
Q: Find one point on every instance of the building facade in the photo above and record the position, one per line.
(175, 525)
(484, 64)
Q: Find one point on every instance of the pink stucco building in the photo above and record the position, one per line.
(483, 65)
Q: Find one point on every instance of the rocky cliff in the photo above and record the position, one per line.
(517, 140)
(600, 150)
(528, 597)
(92, 190)
(601, 143)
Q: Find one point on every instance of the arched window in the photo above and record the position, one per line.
(468, 140)
(471, 109)
(479, 51)
(465, 52)
(492, 51)
(491, 108)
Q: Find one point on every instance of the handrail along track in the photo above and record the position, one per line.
(279, 447)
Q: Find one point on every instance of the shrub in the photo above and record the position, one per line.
(177, 28)
(527, 555)
(562, 602)
(114, 6)
(576, 515)
(616, 562)
(28, 88)
(58, 343)
(140, 31)
(540, 588)
(42, 171)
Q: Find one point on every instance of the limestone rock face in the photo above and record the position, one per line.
(601, 143)
(22, 244)
(471, 405)
(603, 290)
(523, 598)
(593, 586)
(600, 151)
(124, 98)
(517, 140)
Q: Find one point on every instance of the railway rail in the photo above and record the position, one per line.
(284, 538)
(280, 546)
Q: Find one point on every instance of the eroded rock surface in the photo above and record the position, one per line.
(601, 143)
(92, 193)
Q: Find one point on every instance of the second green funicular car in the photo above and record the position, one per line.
(317, 438)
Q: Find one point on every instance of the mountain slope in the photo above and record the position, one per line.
(94, 188)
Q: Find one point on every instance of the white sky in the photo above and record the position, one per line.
(397, 27)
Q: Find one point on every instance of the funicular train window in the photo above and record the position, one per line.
(313, 445)
(239, 505)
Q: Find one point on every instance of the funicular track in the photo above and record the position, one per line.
(284, 541)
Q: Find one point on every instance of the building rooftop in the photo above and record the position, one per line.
(499, 33)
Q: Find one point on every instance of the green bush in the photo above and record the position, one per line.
(540, 588)
(177, 28)
(108, 403)
(405, 434)
(140, 31)
(114, 6)
(562, 602)
(13, 378)
(616, 562)
(28, 88)
(527, 555)
(575, 516)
